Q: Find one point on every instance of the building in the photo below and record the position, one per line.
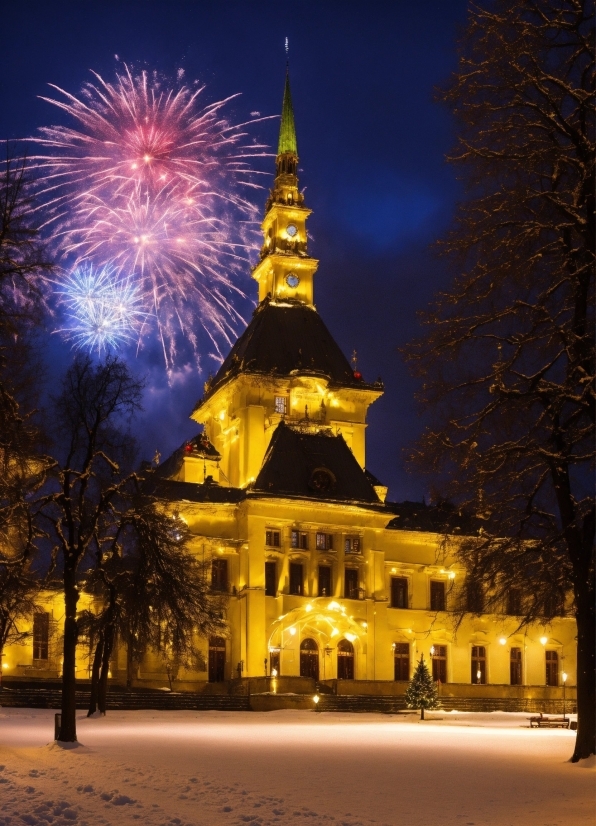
(327, 581)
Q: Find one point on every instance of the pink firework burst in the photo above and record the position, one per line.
(149, 181)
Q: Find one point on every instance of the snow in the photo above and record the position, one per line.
(290, 768)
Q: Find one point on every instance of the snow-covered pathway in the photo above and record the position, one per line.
(290, 767)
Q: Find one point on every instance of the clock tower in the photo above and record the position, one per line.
(285, 269)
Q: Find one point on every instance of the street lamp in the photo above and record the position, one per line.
(564, 678)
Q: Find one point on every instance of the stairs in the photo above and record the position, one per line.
(119, 699)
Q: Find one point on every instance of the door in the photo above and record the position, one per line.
(217, 659)
(309, 659)
(401, 661)
(345, 660)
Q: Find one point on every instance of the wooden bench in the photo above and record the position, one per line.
(548, 721)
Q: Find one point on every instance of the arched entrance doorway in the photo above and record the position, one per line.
(309, 659)
(217, 659)
(345, 660)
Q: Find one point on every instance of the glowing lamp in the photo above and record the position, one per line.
(543, 640)
(503, 641)
(308, 607)
(5, 665)
(564, 676)
(274, 672)
(292, 631)
(432, 651)
(357, 375)
(316, 699)
(451, 574)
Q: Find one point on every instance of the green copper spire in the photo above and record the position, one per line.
(287, 131)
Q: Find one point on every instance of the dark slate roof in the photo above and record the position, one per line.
(441, 518)
(190, 492)
(315, 465)
(284, 337)
(199, 447)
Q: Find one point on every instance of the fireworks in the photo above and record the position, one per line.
(103, 309)
(152, 184)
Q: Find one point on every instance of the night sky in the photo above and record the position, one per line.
(371, 141)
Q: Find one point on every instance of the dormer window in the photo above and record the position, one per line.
(281, 405)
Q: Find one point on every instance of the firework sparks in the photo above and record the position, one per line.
(103, 309)
(153, 183)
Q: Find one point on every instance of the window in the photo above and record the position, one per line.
(352, 545)
(474, 597)
(272, 538)
(309, 659)
(325, 581)
(514, 607)
(219, 574)
(399, 592)
(401, 661)
(478, 664)
(324, 542)
(270, 579)
(437, 595)
(515, 666)
(439, 661)
(299, 539)
(553, 606)
(552, 668)
(281, 405)
(41, 635)
(296, 579)
(345, 660)
(351, 583)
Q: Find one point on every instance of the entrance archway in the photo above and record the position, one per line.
(345, 660)
(309, 659)
(217, 659)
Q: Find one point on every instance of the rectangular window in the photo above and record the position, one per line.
(478, 664)
(281, 405)
(351, 583)
(399, 592)
(324, 542)
(514, 606)
(474, 597)
(515, 666)
(325, 581)
(552, 668)
(219, 575)
(352, 545)
(401, 661)
(270, 579)
(439, 661)
(299, 539)
(272, 538)
(437, 595)
(296, 579)
(41, 636)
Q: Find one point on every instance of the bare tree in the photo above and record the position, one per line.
(19, 588)
(507, 358)
(86, 484)
(153, 592)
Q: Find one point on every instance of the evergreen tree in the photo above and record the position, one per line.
(422, 691)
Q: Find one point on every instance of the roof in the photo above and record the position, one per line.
(190, 492)
(286, 337)
(315, 465)
(441, 518)
(287, 130)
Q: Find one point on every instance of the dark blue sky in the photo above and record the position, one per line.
(371, 141)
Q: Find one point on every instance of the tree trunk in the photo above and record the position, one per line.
(129, 663)
(105, 668)
(68, 728)
(97, 658)
(422, 713)
(585, 743)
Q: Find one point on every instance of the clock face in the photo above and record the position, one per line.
(292, 280)
(291, 230)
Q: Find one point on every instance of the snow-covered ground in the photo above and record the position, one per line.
(290, 767)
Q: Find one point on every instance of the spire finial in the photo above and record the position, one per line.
(287, 130)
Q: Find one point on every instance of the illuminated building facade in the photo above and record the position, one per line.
(326, 580)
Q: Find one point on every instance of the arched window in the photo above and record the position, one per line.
(309, 659)
(217, 659)
(345, 660)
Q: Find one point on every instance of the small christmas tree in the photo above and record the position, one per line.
(422, 691)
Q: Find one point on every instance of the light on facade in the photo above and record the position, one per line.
(350, 637)
(5, 665)
(308, 607)
(543, 640)
(432, 651)
(292, 631)
(274, 672)
(451, 574)
(564, 676)
(503, 641)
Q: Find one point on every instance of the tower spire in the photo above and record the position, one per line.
(287, 129)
